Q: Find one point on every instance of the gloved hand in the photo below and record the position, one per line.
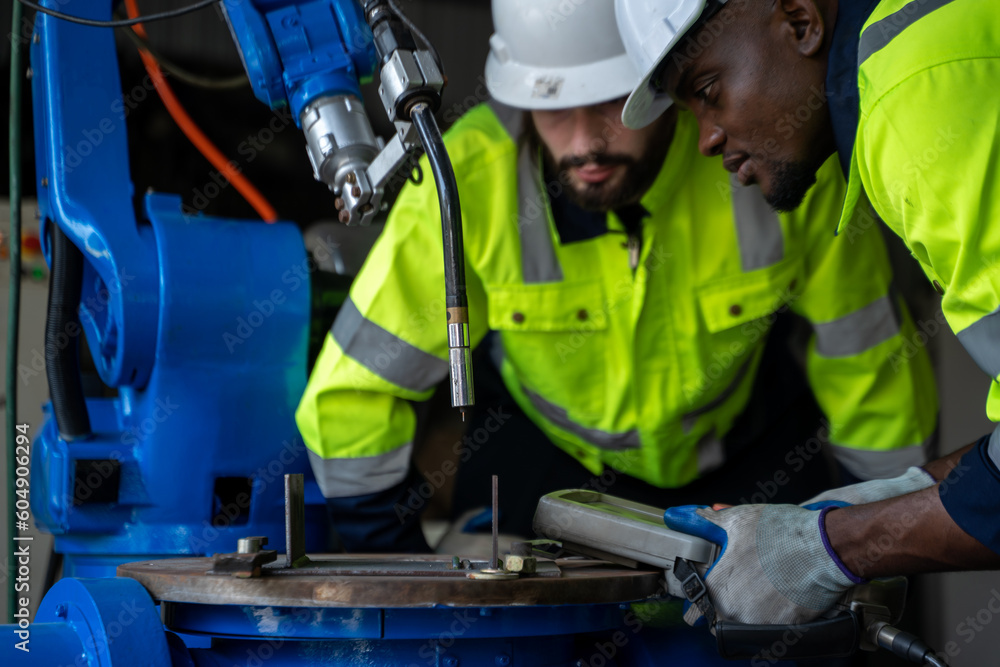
(914, 479)
(776, 565)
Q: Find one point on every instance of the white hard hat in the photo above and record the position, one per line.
(556, 54)
(649, 29)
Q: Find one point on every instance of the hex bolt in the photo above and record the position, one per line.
(61, 611)
(356, 191)
(344, 217)
(351, 178)
(338, 203)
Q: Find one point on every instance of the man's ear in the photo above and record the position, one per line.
(802, 23)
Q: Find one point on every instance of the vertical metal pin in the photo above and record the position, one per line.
(496, 527)
(295, 521)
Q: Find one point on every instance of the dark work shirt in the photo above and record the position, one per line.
(842, 75)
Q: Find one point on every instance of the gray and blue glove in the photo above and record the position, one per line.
(776, 567)
(914, 479)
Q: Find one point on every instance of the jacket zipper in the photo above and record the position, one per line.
(634, 250)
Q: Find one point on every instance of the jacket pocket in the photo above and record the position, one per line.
(555, 337)
(734, 301)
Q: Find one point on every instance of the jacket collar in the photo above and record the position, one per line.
(841, 83)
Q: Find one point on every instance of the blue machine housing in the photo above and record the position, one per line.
(296, 51)
(200, 324)
(114, 623)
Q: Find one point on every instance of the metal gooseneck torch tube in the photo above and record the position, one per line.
(459, 350)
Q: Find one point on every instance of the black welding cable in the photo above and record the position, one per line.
(181, 74)
(416, 31)
(451, 212)
(149, 18)
(62, 352)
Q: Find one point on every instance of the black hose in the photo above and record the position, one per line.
(62, 336)
(451, 212)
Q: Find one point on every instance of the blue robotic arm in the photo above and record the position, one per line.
(311, 56)
(187, 457)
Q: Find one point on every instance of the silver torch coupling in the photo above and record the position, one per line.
(341, 146)
(460, 358)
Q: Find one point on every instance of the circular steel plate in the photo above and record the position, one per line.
(408, 581)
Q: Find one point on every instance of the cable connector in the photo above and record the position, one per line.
(907, 646)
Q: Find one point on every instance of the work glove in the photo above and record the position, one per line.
(776, 565)
(914, 479)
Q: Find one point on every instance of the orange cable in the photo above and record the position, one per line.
(194, 133)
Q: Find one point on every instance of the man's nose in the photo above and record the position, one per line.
(591, 132)
(711, 137)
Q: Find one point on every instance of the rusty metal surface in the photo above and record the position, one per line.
(326, 583)
(242, 564)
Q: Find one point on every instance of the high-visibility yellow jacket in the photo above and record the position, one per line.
(927, 156)
(643, 370)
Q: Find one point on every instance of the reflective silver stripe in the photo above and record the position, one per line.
(982, 342)
(858, 331)
(538, 254)
(994, 448)
(385, 354)
(866, 464)
(512, 119)
(880, 33)
(343, 478)
(711, 453)
(688, 420)
(758, 227)
(602, 439)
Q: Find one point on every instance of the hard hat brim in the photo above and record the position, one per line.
(549, 88)
(644, 105)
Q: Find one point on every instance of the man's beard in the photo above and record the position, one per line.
(790, 181)
(622, 187)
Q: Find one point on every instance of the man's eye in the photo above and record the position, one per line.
(703, 92)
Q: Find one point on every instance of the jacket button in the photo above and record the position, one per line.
(582, 315)
(518, 317)
(938, 288)
(735, 309)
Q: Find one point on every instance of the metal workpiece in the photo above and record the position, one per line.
(619, 530)
(341, 145)
(402, 581)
